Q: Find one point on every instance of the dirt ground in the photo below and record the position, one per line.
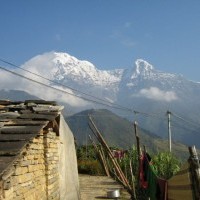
(96, 187)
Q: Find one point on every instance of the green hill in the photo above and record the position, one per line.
(119, 132)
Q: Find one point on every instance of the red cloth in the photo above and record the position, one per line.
(142, 171)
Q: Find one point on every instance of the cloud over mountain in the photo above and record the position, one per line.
(141, 87)
(157, 94)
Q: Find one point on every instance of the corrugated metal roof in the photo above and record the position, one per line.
(19, 123)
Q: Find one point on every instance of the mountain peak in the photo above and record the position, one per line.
(64, 58)
(142, 66)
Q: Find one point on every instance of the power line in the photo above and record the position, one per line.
(187, 121)
(177, 126)
(63, 91)
(187, 109)
(14, 65)
(180, 125)
(112, 105)
(154, 115)
(106, 103)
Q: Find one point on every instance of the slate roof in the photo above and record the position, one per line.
(19, 123)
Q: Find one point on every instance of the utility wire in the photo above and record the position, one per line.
(189, 122)
(187, 109)
(179, 124)
(63, 91)
(106, 103)
(9, 63)
(123, 108)
(176, 126)
(154, 115)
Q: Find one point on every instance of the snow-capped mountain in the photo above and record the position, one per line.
(142, 88)
(77, 74)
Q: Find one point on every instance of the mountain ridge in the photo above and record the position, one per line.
(119, 132)
(142, 88)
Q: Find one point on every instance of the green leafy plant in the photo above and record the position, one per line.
(166, 164)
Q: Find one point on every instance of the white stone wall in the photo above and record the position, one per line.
(68, 171)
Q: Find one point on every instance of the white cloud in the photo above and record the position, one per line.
(9, 81)
(155, 93)
(40, 65)
(58, 94)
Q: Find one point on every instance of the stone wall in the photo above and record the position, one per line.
(34, 174)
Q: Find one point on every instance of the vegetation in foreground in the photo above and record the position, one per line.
(119, 132)
(165, 163)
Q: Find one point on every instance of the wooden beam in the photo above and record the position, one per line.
(115, 163)
(101, 156)
(20, 129)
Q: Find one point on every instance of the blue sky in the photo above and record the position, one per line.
(109, 33)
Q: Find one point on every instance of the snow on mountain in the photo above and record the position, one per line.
(60, 66)
(143, 80)
(146, 71)
(78, 74)
(142, 67)
(63, 67)
(141, 87)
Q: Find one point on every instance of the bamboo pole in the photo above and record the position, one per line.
(116, 176)
(101, 156)
(110, 155)
(115, 163)
(137, 139)
(132, 179)
(195, 170)
(138, 150)
(104, 158)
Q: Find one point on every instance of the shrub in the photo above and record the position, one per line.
(92, 167)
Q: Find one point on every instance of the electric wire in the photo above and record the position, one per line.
(63, 91)
(187, 107)
(154, 115)
(187, 121)
(60, 84)
(184, 128)
(178, 124)
(106, 103)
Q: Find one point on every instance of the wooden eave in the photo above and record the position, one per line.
(20, 122)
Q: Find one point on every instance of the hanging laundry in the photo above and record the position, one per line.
(155, 186)
(143, 172)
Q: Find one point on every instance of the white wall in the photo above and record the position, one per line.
(69, 182)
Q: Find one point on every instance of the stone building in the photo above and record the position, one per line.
(37, 152)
